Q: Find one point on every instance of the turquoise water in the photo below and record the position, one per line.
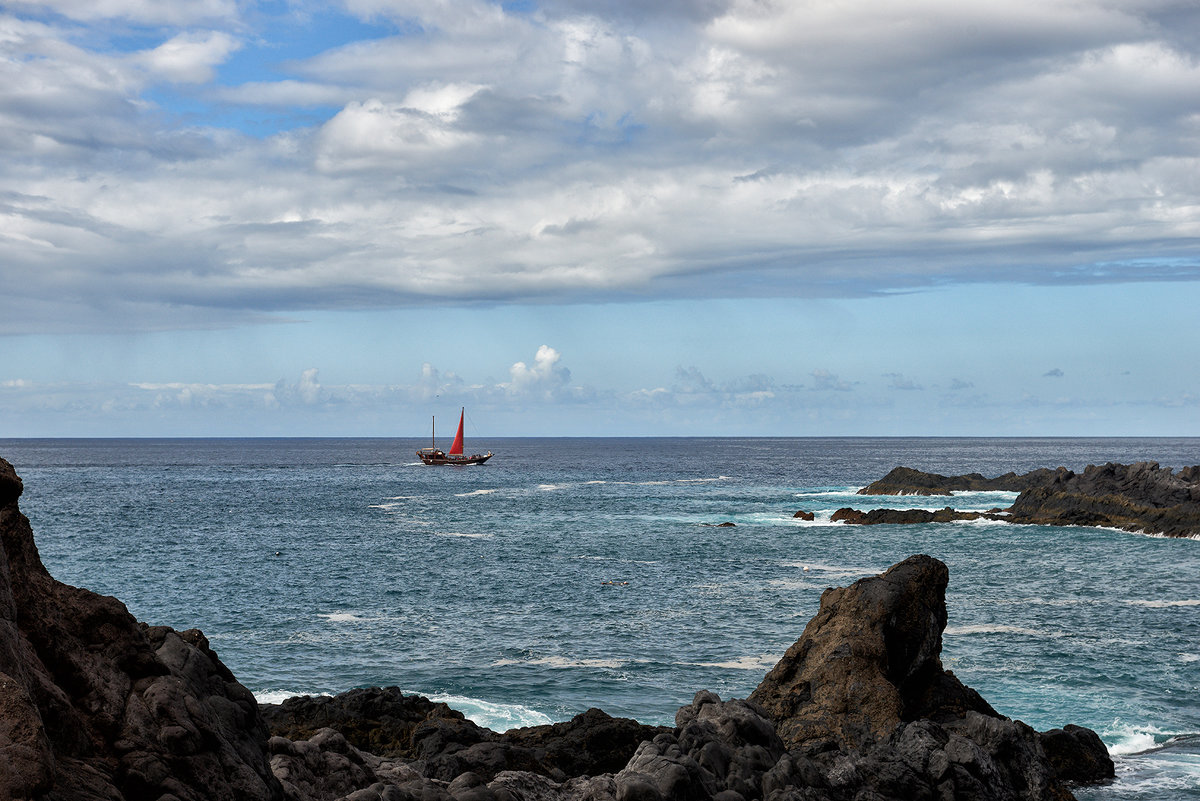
(569, 573)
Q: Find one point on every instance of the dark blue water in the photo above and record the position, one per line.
(569, 573)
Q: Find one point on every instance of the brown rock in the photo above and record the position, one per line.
(867, 661)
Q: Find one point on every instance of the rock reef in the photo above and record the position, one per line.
(1141, 497)
(96, 706)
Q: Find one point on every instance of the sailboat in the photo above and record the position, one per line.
(435, 455)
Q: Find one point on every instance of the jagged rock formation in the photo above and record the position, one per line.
(94, 705)
(386, 722)
(1138, 497)
(906, 481)
(907, 516)
(97, 707)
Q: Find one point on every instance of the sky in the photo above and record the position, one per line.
(685, 218)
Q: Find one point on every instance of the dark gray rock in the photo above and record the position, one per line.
(98, 706)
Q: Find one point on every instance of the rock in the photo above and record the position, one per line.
(866, 661)
(1139, 497)
(908, 516)
(803, 515)
(380, 720)
(906, 481)
(1078, 755)
(97, 706)
(863, 694)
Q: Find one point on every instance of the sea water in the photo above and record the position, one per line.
(572, 573)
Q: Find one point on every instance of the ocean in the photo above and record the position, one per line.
(571, 573)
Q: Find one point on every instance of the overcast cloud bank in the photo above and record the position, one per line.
(465, 153)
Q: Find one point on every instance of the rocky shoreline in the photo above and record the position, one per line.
(1141, 497)
(95, 706)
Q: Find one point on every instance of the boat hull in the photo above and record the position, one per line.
(442, 458)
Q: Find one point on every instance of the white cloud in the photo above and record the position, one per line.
(704, 149)
(188, 57)
(545, 378)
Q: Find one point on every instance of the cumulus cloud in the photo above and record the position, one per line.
(900, 381)
(704, 148)
(1053, 373)
(545, 378)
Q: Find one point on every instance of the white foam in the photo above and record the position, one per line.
(550, 487)
(497, 717)
(762, 662)
(474, 493)
(999, 628)
(279, 696)
(1123, 739)
(834, 571)
(466, 535)
(342, 617)
(1163, 604)
(384, 506)
(562, 662)
(1187, 659)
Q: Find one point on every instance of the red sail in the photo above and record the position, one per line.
(456, 448)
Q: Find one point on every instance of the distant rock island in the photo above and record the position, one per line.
(1141, 497)
(95, 706)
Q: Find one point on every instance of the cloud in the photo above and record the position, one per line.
(900, 381)
(825, 381)
(188, 57)
(1053, 373)
(545, 378)
(958, 384)
(468, 153)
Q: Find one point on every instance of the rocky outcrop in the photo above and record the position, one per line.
(804, 515)
(95, 705)
(1139, 497)
(906, 481)
(387, 722)
(907, 516)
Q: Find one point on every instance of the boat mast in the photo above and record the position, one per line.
(432, 432)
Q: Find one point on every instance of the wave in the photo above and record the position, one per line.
(834, 571)
(342, 617)
(494, 716)
(760, 663)
(279, 696)
(1000, 628)
(466, 535)
(1163, 604)
(474, 493)
(563, 662)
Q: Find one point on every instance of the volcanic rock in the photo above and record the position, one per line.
(803, 515)
(906, 481)
(1138, 497)
(94, 705)
(907, 516)
(97, 707)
